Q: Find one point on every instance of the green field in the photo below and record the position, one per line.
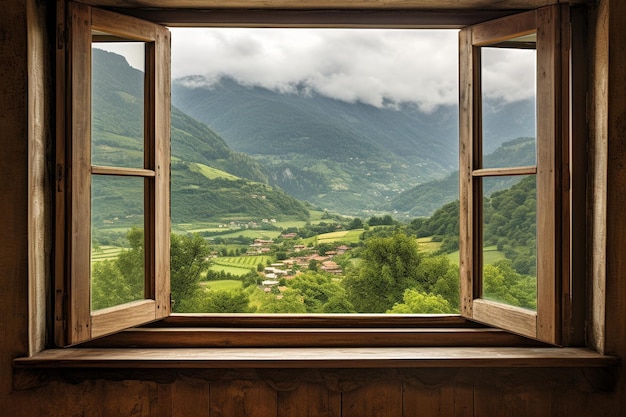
(211, 173)
(105, 252)
(426, 244)
(242, 261)
(251, 233)
(223, 285)
(490, 255)
(347, 236)
(233, 270)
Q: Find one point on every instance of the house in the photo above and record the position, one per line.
(386, 383)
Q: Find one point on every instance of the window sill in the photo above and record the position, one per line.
(354, 357)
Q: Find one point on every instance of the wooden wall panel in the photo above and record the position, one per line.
(309, 400)
(428, 402)
(373, 400)
(190, 398)
(128, 398)
(242, 399)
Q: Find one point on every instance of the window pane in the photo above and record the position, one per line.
(117, 100)
(117, 242)
(328, 182)
(508, 73)
(510, 241)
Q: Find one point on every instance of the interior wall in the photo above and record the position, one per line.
(404, 392)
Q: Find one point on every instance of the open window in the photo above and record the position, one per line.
(88, 172)
(533, 37)
(140, 180)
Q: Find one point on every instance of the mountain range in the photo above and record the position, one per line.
(264, 150)
(351, 158)
(210, 181)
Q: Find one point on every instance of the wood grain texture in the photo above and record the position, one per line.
(374, 400)
(497, 172)
(309, 400)
(308, 337)
(39, 203)
(78, 209)
(242, 399)
(598, 172)
(190, 398)
(327, 4)
(211, 358)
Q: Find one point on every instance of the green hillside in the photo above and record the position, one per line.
(209, 180)
(424, 199)
(346, 157)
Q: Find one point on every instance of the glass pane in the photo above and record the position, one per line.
(510, 241)
(117, 240)
(509, 92)
(117, 100)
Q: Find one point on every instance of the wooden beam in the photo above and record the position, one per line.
(395, 19)
(327, 4)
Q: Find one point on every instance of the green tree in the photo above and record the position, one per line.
(108, 288)
(356, 223)
(389, 266)
(290, 301)
(338, 304)
(219, 301)
(120, 280)
(417, 302)
(316, 290)
(189, 260)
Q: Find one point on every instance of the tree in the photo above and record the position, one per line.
(120, 280)
(289, 302)
(356, 223)
(389, 266)
(316, 289)
(219, 301)
(417, 302)
(189, 260)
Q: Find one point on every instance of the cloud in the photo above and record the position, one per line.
(508, 75)
(377, 67)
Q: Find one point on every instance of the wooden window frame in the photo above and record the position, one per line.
(67, 304)
(75, 321)
(551, 172)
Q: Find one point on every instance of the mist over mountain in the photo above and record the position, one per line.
(347, 157)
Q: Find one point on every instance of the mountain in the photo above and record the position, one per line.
(424, 199)
(209, 180)
(346, 157)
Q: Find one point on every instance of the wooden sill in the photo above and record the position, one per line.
(229, 337)
(289, 358)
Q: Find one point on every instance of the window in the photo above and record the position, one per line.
(538, 32)
(139, 181)
(78, 321)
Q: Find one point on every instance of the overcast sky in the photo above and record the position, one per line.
(377, 67)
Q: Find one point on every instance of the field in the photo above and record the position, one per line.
(233, 270)
(238, 265)
(105, 252)
(223, 285)
(347, 236)
(490, 255)
(426, 244)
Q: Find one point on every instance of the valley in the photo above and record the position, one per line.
(300, 204)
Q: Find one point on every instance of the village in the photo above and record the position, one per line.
(299, 259)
